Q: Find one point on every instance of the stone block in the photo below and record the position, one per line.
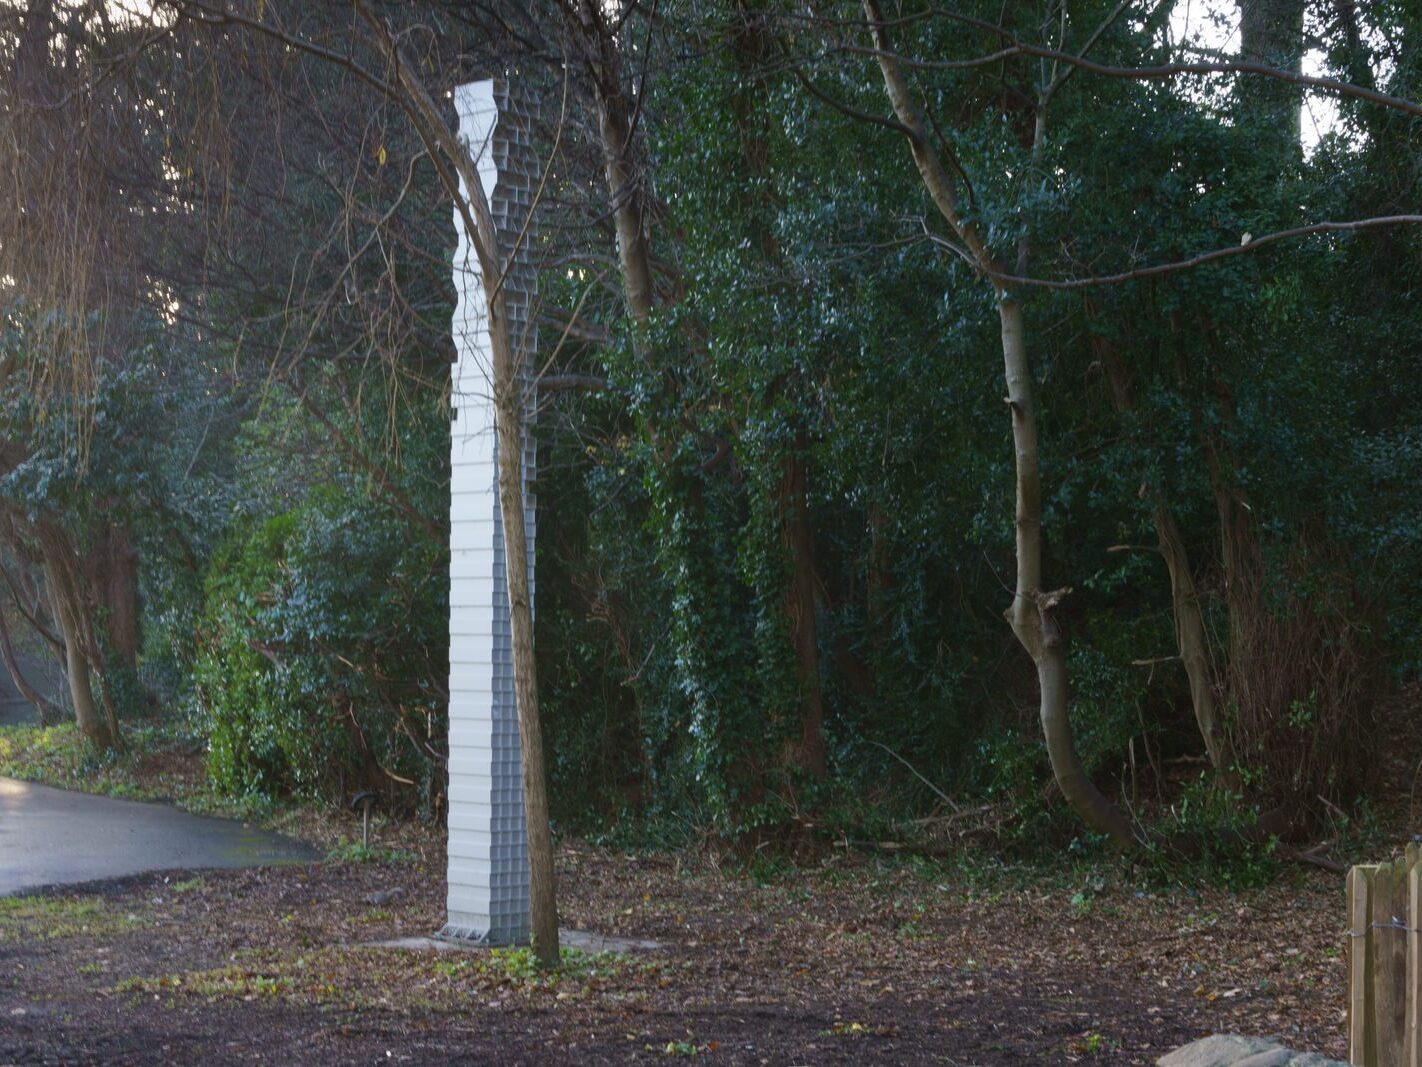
(1234, 1050)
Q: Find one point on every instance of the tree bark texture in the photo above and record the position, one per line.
(1271, 33)
(625, 182)
(64, 577)
(1239, 549)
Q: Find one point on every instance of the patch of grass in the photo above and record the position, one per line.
(521, 965)
(49, 754)
(49, 918)
(1091, 1044)
(231, 982)
(249, 807)
(369, 978)
(683, 1048)
(354, 852)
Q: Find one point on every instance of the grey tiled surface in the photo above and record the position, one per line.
(488, 856)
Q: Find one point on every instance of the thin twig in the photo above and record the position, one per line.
(942, 795)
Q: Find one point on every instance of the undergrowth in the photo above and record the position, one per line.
(161, 761)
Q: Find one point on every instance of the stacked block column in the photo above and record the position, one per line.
(488, 846)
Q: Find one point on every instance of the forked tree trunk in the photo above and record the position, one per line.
(1032, 612)
(47, 711)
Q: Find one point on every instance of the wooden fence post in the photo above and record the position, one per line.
(1362, 1044)
(1414, 959)
(1389, 904)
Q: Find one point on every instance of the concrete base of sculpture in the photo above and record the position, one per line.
(578, 939)
(474, 937)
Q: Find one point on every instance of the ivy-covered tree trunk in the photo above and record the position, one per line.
(113, 562)
(754, 51)
(1191, 640)
(807, 752)
(1271, 33)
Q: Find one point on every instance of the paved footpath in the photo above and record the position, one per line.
(56, 837)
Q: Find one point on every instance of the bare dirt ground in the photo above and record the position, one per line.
(855, 961)
(858, 959)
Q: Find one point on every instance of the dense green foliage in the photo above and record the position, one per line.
(311, 675)
(821, 322)
(787, 514)
(310, 680)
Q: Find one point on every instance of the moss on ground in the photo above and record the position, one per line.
(401, 980)
(48, 918)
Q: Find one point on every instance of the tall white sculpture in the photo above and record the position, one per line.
(488, 845)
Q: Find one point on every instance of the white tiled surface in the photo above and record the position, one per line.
(488, 853)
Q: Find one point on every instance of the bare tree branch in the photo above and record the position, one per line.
(1245, 248)
(1162, 72)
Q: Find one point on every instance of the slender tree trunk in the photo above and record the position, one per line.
(878, 578)
(1032, 612)
(624, 183)
(509, 400)
(1193, 644)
